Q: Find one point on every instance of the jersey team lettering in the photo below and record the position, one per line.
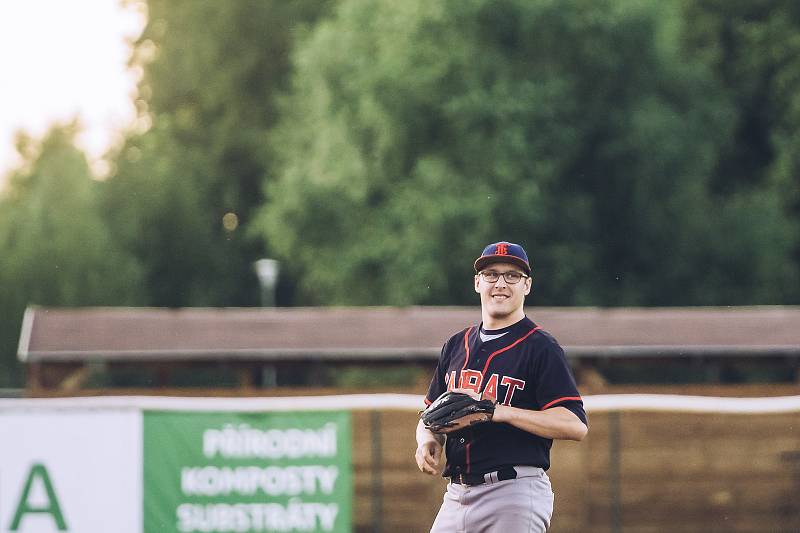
(473, 380)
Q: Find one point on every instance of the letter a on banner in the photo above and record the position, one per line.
(52, 508)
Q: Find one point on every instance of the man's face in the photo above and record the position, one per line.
(500, 298)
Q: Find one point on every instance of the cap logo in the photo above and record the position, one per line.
(502, 249)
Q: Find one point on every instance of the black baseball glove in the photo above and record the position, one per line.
(455, 410)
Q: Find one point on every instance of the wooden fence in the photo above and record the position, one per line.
(635, 472)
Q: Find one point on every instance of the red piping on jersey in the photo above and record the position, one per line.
(466, 360)
(466, 347)
(559, 400)
(469, 466)
(501, 350)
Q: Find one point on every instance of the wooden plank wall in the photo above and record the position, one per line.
(677, 472)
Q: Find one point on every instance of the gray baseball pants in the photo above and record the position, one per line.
(520, 505)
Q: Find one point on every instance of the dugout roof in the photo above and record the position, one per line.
(391, 334)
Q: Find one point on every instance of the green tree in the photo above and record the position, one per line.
(159, 214)
(415, 132)
(753, 49)
(210, 73)
(55, 246)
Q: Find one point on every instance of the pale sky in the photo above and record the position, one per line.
(65, 58)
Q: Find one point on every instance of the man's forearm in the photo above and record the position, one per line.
(554, 423)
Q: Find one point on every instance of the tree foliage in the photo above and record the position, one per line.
(210, 73)
(55, 245)
(753, 48)
(416, 132)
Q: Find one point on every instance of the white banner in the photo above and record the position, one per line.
(76, 470)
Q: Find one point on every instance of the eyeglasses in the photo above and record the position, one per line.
(512, 276)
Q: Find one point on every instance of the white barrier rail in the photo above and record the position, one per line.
(593, 403)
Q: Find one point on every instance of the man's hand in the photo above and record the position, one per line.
(429, 457)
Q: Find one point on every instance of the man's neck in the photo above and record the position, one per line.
(493, 323)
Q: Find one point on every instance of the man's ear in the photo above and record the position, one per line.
(477, 283)
(529, 286)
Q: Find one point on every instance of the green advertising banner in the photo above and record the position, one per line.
(225, 472)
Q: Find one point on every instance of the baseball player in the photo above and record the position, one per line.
(497, 469)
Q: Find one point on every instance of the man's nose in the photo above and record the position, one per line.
(501, 281)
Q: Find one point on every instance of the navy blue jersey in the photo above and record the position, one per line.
(524, 368)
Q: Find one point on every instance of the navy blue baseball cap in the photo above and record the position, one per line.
(503, 252)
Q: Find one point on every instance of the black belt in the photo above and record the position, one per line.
(479, 479)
